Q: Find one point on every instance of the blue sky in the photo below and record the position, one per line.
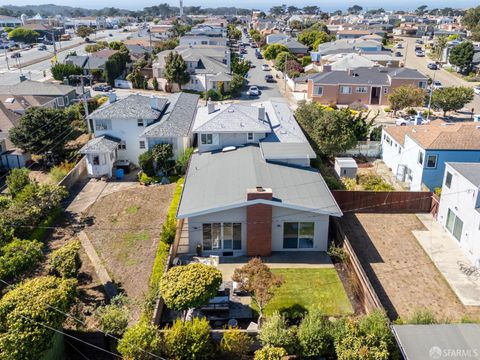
(264, 5)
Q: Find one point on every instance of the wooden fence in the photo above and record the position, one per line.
(384, 201)
(158, 311)
(363, 288)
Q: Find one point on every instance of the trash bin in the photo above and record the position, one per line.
(119, 174)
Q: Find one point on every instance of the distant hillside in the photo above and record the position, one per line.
(48, 10)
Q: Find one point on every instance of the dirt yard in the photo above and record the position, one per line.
(125, 229)
(403, 276)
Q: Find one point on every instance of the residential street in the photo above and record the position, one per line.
(36, 71)
(446, 78)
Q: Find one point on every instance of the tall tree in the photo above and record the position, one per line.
(272, 50)
(277, 10)
(84, 31)
(311, 10)
(176, 69)
(471, 19)
(462, 56)
(256, 278)
(292, 9)
(405, 96)
(23, 35)
(451, 98)
(421, 10)
(355, 9)
(42, 130)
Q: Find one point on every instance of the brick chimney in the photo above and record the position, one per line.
(259, 223)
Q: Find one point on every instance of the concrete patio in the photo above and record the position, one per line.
(447, 257)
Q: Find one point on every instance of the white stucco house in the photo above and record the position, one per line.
(249, 188)
(125, 128)
(459, 210)
(417, 154)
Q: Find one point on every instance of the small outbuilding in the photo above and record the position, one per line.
(346, 167)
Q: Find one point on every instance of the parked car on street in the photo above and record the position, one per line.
(102, 87)
(398, 54)
(419, 53)
(436, 85)
(399, 46)
(269, 78)
(16, 55)
(253, 91)
(411, 120)
(254, 45)
(265, 67)
(432, 66)
(259, 55)
(41, 47)
(476, 90)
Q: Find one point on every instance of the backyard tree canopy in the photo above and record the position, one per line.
(190, 286)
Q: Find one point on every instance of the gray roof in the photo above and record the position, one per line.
(102, 144)
(78, 60)
(278, 150)
(470, 171)
(366, 76)
(346, 45)
(134, 106)
(219, 180)
(230, 118)
(178, 117)
(346, 162)
(420, 342)
(29, 87)
(293, 45)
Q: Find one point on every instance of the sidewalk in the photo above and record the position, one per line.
(447, 257)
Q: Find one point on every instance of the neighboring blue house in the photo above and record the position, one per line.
(417, 154)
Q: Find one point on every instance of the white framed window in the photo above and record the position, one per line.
(298, 235)
(60, 101)
(142, 144)
(420, 158)
(318, 90)
(454, 225)
(249, 136)
(96, 160)
(226, 236)
(422, 84)
(448, 179)
(206, 139)
(102, 124)
(140, 122)
(385, 90)
(67, 101)
(431, 161)
(122, 145)
(361, 89)
(345, 90)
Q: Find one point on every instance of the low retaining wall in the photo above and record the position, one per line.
(160, 304)
(77, 173)
(362, 286)
(383, 201)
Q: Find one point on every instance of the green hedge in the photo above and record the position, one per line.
(169, 227)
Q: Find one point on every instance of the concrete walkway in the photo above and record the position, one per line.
(447, 257)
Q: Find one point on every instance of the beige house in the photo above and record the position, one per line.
(367, 85)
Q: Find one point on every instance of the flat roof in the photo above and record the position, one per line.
(438, 341)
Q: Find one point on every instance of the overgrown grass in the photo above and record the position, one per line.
(309, 289)
(40, 231)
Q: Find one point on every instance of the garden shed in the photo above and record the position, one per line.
(346, 167)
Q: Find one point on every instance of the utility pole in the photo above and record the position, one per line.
(84, 96)
(430, 97)
(54, 43)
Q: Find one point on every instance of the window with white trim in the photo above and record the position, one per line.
(206, 139)
(318, 90)
(385, 90)
(226, 236)
(454, 225)
(361, 89)
(345, 90)
(422, 84)
(60, 101)
(103, 124)
(420, 158)
(140, 122)
(122, 145)
(448, 179)
(431, 161)
(142, 144)
(298, 235)
(249, 136)
(96, 160)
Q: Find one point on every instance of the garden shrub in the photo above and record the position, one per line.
(182, 161)
(420, 317)
(113, 317)
(337, 252)
(275, 332)
(315, 336)
(170, 226)
(35, 299)
(438, 191)
(17, 180)
(19, 256)
(411, 111)
(235, 344)
(57, 173)
(188, 340)
(374, 183)
(161, 153)
(145, 161)
(349, 183)
(65, 261)
(270, 353)
(139, 340)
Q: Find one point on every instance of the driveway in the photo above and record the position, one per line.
(403, 276)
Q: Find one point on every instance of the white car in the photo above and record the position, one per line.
(436, 85)
(419, 53)
(253, 91)
(410, 120)
(265, 67)
(476, 90)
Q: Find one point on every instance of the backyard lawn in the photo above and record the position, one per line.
(310, 289)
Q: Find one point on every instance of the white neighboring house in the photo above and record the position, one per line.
(459, 211)
(127, 127)
(202, 40)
